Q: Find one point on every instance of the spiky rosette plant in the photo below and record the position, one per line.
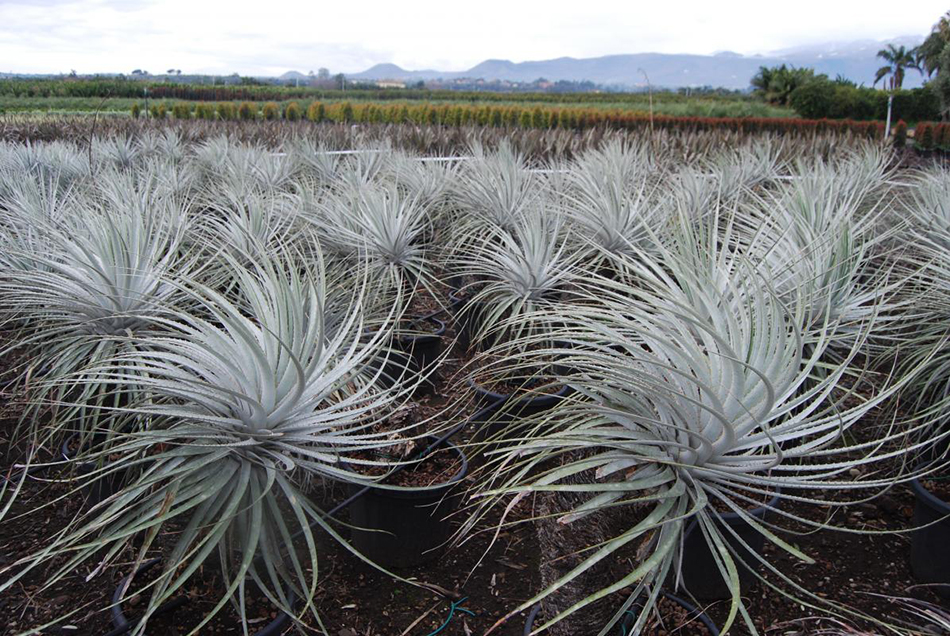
(27, 207)
(614, 219)
(81, 287)
(212, 154)
(513, 272)
(317, 159)
(250, 168)
(825, 237)
(929, 206)
(174, 183)
(168, 144)
(693, 191)
(56, 161)
(427, 180)
(119, 151)
(249, 397)
(861, 173)
(928, 295)
(242, 223)
(683, 400)
(738, 171)
(619, 160)
(363, 165)
(379, 228)
(494, 189)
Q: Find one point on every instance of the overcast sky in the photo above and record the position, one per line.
(271, 37)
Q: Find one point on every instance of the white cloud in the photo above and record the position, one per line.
(262, 38)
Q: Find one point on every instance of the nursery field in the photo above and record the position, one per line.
(699, 107)
(267, 378)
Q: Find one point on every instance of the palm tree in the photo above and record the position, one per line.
(898, 58)
(927, 55)
(776, 84)
(760, 82)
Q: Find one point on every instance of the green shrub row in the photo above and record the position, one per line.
(109, 87)
(823, 99)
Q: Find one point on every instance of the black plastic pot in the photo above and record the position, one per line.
(500, 412)
(415, 354)
(510, 406)
(930, 542)
(456, 300)
(403, 527)
(701, 577)
(103, 487)
(468, 314)
(623, 629)
(455, 282)
(465, 311)
(424, 349)
(122, 624)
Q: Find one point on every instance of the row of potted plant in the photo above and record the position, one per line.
(675, 344)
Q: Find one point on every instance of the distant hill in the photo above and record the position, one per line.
(856, 61)
(394, 72)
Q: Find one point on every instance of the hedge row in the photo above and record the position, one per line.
(824, 99)
(504, 116)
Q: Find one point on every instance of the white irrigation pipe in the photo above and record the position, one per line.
(370, 151)
(335, 152)
(436, 159)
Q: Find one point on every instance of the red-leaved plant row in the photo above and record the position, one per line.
(932, 136)
(521, 117)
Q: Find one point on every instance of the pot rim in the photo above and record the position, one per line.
(925, 496)
(438, 333)
(403, 492)
(728, 517)
(540, 399)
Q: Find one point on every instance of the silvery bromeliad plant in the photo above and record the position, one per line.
(244, 225)
(686, 397)
(252, 168)
(514, 271)
(377, 227)
(494, 189)
(825, 234)
(817, 242)
(81, 285)
(427, 179)
(317, 160)
(928, 297)
(738, 170)
(249, 396)
(611, 199)
(57, 162)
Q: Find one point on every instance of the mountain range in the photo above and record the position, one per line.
(855, 60)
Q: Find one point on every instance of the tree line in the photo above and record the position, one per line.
(814, 95)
